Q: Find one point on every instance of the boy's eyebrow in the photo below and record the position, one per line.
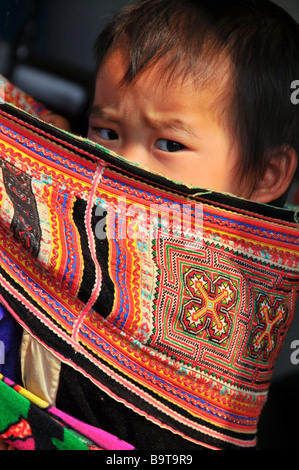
(98, 111)
(171, 123)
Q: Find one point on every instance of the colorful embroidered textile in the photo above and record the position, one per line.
(9, 93)
(29, 423)
(171, 304)
(10, 331)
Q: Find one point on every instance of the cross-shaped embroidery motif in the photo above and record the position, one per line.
(208, 309)
(271, 316)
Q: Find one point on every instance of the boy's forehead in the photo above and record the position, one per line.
(207, 74)
(213, 82)
(115, 63)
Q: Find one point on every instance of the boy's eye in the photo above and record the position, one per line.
(107, 134)
(169, 145)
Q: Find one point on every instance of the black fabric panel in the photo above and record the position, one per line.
(104, 302)
(88, 278)
(79, 397)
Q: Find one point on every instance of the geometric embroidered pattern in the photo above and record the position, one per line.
(25, 223)
(181, 331)
(208, 309)
(210, 317)
(271, 316)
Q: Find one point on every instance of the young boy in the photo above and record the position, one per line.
(198, 91)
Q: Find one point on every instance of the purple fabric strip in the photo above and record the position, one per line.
(10, 337)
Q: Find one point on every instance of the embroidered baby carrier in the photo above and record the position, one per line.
(171, 302)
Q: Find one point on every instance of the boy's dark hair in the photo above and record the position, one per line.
(193, 37)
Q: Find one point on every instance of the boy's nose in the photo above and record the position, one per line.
(135, 154)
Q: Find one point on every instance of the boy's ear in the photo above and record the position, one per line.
(278, 175)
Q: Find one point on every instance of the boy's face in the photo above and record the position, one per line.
(166, 127)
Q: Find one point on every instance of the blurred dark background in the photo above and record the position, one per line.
(46, 49)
